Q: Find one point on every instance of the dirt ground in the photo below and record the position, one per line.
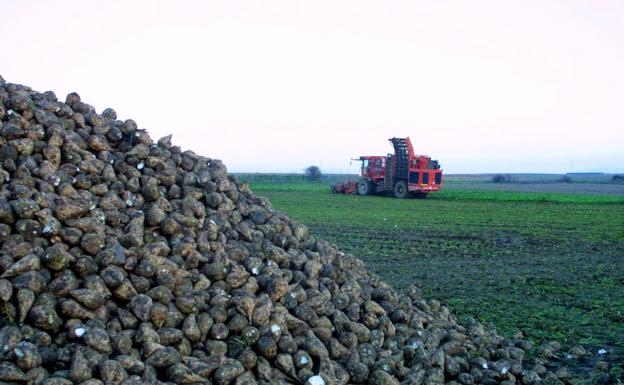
(575, 188)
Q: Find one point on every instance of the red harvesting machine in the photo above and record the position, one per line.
(402, 174)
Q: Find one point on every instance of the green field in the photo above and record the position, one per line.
(548, 265)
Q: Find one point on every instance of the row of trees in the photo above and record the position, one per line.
(313, 174)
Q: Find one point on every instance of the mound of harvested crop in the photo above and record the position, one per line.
(125, 261)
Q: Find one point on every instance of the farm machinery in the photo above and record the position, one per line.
(402, 174)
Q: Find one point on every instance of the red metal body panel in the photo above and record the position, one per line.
(431, 184)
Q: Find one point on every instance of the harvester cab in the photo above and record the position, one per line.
(373, 167)
(402, 173)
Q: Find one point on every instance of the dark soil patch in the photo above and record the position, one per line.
(573, 188)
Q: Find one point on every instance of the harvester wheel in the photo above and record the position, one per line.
(400, 190)
(365, 187)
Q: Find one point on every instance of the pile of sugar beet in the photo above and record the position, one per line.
(128, 261)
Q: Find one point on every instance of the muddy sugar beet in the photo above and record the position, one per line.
(129, 261)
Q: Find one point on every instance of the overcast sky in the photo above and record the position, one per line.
(273, 86)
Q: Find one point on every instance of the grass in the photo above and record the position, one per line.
(459, 194)
(548, 265)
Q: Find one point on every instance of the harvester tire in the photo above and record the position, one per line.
(400, 190)
(365, 187)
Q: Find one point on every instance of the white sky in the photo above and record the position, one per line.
(273, 86)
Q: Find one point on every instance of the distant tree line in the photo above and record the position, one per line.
(313, 173)
(500, 178)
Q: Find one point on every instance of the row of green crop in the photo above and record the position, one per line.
(551, 220)
(460, 194)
